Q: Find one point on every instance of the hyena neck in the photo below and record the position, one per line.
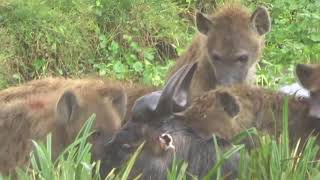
(59, 133)
(263, 106)
(271, 114)
(203, 79)
(251, 76)
(301, 125)
(191, 54)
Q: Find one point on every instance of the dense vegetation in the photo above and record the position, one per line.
(136, 39)
(139, 40)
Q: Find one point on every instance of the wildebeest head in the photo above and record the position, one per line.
(154, 122)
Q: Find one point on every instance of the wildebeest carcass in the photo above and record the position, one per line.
(155, 121)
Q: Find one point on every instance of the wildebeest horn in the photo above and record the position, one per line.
(174, 94)
(180, 97)
(177, 84)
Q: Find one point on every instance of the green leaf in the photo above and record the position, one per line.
(119, 68)
(38, 64)
(114, 47)
(138, 67)
(315, 37)
(148, 56)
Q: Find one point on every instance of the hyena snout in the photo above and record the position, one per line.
(228, 76)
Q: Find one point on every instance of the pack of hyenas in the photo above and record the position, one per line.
(209, 91)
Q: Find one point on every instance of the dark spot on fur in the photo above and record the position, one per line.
(36, 105)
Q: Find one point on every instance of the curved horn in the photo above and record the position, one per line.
(165, 103)
(182, 90)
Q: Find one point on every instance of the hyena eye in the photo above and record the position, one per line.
(243, 58)
(127, 147)
(96, 134)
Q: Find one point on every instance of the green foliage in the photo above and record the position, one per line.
(221, 158)
(71, 38)
(274, 160)
(46, 37)
(126, 169)
(126, 39)
(178, 170)
(280, 159)
(294, 38)
(134, 61)
(128, 48)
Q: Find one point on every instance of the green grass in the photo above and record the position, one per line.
(276, 159)
(72, 38)
(135, 38)
(73, 163)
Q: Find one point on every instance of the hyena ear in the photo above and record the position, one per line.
(260, 20)
(304, 73)
(118, 99)
(229, 103)
(67, 108)
(203, 23)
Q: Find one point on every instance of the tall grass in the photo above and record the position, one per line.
(73, 163)
(279, 159)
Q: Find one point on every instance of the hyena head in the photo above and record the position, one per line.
(309, 78)
(235, 39)
(75, 106)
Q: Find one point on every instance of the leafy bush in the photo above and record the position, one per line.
(71, 38)
(294, 38)
(46, 37)
(137, 38)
